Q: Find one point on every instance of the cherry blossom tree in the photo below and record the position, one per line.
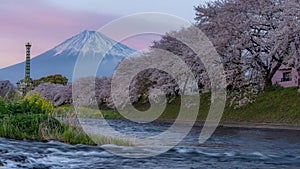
(92, 91)
(290, 31)
(254, 39)
(56, 93)
(169, 43)
(249, 35)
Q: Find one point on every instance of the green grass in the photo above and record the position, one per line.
(27, 126)
(275, 106)
(45, 128)
(84, 112)
(75, 135)
(33, 118)
(281, 106)
(172, 110)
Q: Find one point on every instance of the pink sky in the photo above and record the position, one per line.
(45, 27)
(48, 23)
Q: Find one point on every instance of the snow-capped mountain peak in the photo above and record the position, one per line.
(62, 58)
(91, 40)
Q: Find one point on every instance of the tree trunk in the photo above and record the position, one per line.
(268, 82)
(298, 70)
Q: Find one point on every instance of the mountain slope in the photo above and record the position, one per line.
(62, 58)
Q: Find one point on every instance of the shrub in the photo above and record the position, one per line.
(3, 107)
(56, 79)
(36, 104)
(31, 104)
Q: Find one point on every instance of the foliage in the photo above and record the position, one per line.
(171, 44)
(56, 93)
(92, 91)
(259, 37)
(32, 118)
(56, 79)
(142, 83)
(29, 126)
(37, 104)
(31, 104)
(54, 88)
(3, 106)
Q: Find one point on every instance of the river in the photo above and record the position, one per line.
(227, 148)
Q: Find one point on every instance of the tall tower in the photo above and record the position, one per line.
(25, 84)
(27, 66)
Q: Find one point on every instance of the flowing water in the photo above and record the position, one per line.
(227, 148)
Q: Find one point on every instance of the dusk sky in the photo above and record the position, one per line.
(48, 23)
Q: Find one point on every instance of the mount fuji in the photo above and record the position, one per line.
(62, 58)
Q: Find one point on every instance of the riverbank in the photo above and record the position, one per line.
(32, 118)
(261, 126)
(274, 109)
(227, 148)
(246, 125)
(35, 119)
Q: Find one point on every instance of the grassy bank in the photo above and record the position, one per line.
(33, 118)
(280, 106)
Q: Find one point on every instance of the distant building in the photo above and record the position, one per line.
(286, 77)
